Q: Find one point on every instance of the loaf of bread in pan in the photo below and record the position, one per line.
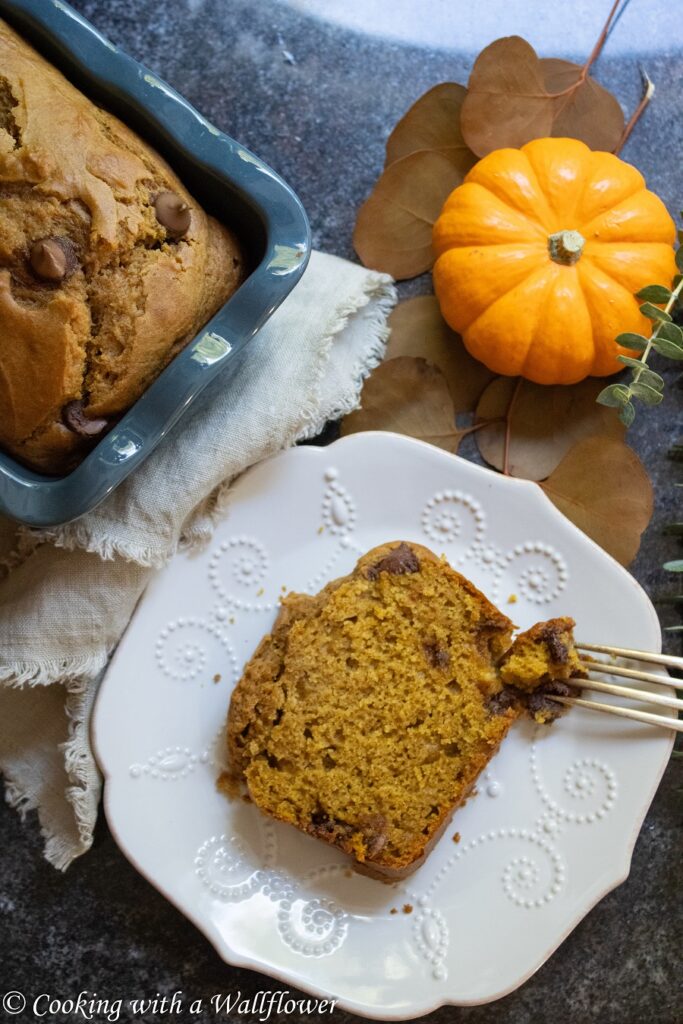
(108, 267)
(366, 716)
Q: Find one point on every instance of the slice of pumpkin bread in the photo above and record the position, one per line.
(367, 714)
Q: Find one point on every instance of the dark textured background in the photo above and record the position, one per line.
(321, 122)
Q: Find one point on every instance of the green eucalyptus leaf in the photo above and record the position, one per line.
(614, 395)
(675, 566)
(654, 293)
(652, 379)
(667, 348)
(627, 414)
(679, 258)
(671, 332)
(654, 312)
(634, 341)
(646, 394)
(628, 361)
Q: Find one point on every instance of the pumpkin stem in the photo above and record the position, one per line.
(565, 247)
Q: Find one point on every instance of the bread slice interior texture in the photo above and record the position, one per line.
(365, 717)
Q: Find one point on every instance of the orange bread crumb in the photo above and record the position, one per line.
(367, 714)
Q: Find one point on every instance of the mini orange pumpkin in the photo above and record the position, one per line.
(539, 254)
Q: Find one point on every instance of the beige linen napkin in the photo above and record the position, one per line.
(67, 594)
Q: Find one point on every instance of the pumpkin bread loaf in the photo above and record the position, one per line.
(367, 714)
(108, 267)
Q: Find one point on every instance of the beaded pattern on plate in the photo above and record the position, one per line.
(588, 781)
(493, 787)
(223, 867)
(543, 575)
(339, 517)
(189, 658)
(248, 566)
(310, 925)
(339, 510)
(487, 556)
(522, 882)
(171, 763)
(313, 926)
(430, 934)
(453, 517)
(178, 762)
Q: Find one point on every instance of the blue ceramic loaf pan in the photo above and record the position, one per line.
(231, 183)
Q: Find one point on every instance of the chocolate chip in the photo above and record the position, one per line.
(557, 649)
(173, 213)
(75, 419)
(502, 701)
(539, 701)
(437, 656)
(398, 562)
(52, 259)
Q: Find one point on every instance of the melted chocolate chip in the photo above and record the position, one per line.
(557, 649)
(437, 656)
(52, 259)
(539, 701)
(325, 827)
(374, 843)
(173, 213)
(499, 703)
(398, 562)
(75, 419)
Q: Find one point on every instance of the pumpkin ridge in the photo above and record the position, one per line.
(511, 274)
(588, 230)
(652, 259)
(552, 278)
(589, 274)
(544, 269)
(534, 150)
(585, 225)
(501, 196)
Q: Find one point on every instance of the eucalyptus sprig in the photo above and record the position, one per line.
(666, 339)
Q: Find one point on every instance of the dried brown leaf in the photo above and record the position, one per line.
(602, 486)
(588, 112)
(418, 329)
(408, 396)
(545, 423)
(393, 230)
(433, 123)
(507, 103)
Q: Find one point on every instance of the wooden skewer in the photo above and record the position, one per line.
(612, 709)
(629, 673)
(626, 652)
(645, 696)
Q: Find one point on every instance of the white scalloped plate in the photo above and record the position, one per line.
(552, 828)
